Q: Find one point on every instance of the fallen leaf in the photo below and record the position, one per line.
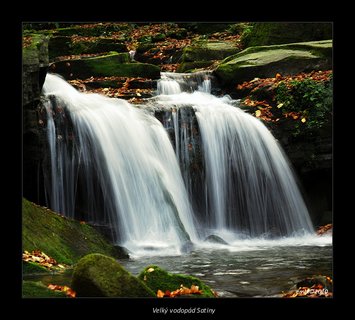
(160, 294)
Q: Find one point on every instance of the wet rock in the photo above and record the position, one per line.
(158, 279)
(215, 239)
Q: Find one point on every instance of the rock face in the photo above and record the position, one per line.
(268, 33)
(158, 279)
(34, 69)
(97, 275)
(112, 64)
(266, 61)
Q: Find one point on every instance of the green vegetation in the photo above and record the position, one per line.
(97, 275)
(159, 279)
(33, 289)
(312, 99)
(61, 238)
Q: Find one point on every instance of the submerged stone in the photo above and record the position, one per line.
(158, 279)
(215, 239)
(97, 275)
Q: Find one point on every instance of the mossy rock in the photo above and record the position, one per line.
(98, 45)
(61, 238)
(97, 275)
(36, 289)
(112, 64)
(266, 61)
(29, 267)
(269, 33)
(63, 45)
(208, 50)
(158, 279)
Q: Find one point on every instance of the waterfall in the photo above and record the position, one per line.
(248, 184)
(125, 155)
(206, 167)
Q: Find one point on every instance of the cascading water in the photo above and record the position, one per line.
(127, 154)
(248, 185)
(227, 173)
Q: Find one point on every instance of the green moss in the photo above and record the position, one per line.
(32, 289)
(29, 267)
(36, 51)
(63, 239)
(312, 99)
(97, 46)
(113, 64)
(208, 50)
(97, 275)
(159, 279)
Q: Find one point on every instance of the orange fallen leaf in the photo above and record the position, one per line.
(160, 294)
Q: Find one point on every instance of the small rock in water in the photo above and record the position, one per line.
(215, 239)
(187, 247)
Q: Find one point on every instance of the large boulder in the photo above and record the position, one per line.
(158, 279)
(266, 61)
(112, 64)
(64, 239)
(97, 275)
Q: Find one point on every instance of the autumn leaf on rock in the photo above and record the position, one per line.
(67, 290)
(160, 294)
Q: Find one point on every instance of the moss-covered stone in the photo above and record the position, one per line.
(29, 267)
(208, 50)
(112, 64)
(97, 275)
(61, 238)
(269, 33)
(158, 279)
(266, 61)
(98, 45)
(33, 289)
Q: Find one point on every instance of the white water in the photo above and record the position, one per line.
(135, 164)
(124, 155)
(249, 185)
